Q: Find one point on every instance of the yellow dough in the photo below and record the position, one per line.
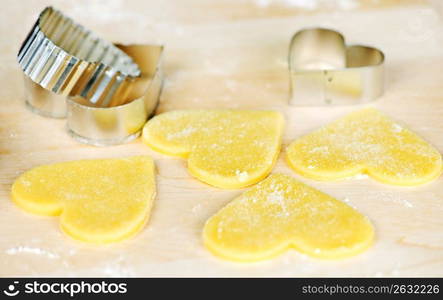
(281, 213)
(225, 148)
(368, 142)
(99, 201)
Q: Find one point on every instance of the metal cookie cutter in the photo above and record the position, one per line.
(323, 70)
(61, 58)
(119, 123)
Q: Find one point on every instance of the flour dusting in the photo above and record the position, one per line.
(31, 250)
(181, 134)
(242, 176)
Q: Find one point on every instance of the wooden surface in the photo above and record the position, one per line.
(228, 54)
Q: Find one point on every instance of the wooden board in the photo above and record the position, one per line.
(228, 54)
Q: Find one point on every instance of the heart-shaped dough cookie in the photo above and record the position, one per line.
(99, 201)
(225, 148)
(365, 141)
(280, 213)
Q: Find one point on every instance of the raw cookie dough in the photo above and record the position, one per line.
(281, 213)
(99, 201)
(365, 141)
(225, 148)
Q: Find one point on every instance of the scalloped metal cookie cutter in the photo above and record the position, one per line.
(119, 124)
(106, 102)
(325, 71)
(60, 58)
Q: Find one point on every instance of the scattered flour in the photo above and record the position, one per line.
(263, 3)
(196, 208)
(31, 250)
(26, 182)
(118, 268)
(242, 175)
(360, 176)
(220, 230)
(347, 4)
(276, 197)
(394, 198)
(184, 133)
(397, 128)
(117, 271)
(306, 4)
(312, 4)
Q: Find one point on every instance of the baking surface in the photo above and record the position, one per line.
(229, 54)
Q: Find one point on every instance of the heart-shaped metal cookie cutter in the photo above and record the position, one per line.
(325, 71)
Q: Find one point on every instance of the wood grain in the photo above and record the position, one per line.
(228, 54)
